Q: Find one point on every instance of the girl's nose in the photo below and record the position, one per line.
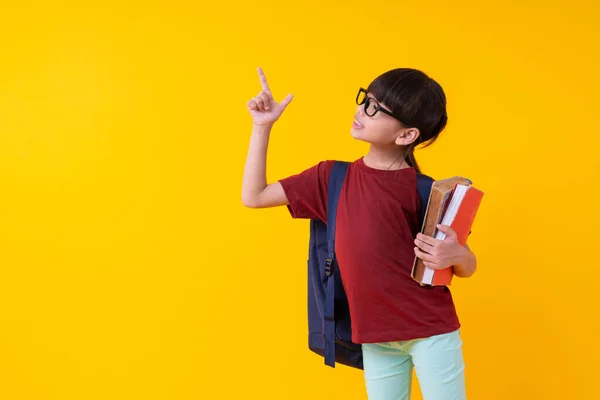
(361, 110)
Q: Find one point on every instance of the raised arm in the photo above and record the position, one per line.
(265, 111)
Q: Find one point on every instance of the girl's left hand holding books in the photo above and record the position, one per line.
(440, 254)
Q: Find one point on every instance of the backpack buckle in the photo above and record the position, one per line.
(329, 267)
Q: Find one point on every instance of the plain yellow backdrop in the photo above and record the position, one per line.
(129, 268)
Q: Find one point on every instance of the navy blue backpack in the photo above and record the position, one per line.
(329, 329)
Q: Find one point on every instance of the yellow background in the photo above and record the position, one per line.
(129, 268)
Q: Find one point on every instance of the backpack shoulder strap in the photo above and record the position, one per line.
(424, 184)
(336, 181)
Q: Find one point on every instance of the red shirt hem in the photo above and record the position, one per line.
(396, 336)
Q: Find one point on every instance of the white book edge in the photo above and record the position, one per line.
(448, 219)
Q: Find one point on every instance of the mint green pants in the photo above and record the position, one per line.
(437, 360)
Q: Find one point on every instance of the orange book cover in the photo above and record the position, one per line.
(462, 224)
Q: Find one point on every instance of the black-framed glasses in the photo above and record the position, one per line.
(372, 106)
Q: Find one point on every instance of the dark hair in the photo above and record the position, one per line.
(418, 99)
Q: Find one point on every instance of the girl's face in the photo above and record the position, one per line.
(373, 124)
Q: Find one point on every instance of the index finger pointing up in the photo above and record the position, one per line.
(263, 80)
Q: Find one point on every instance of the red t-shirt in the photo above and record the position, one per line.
(377, 221)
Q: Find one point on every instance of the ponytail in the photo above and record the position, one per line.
(411, 160)
(435, 132)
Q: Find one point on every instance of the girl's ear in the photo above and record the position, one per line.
(407, 136)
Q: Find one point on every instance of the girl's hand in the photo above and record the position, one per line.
(263, 108)
(439, 254)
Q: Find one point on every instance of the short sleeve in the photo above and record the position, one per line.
(307, 191)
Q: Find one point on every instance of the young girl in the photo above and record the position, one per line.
(399, 323)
